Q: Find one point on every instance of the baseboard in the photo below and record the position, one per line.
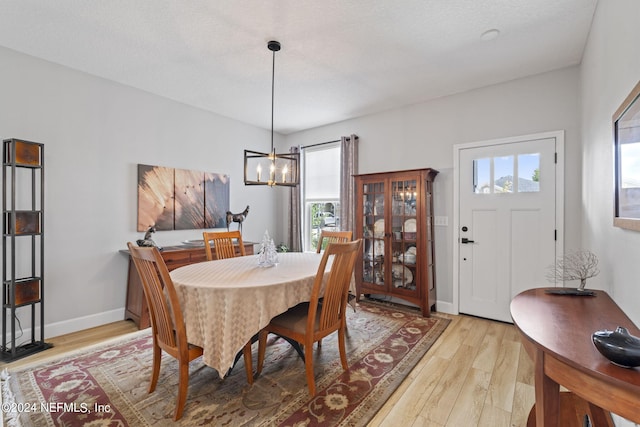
(445, 307)
(74, 325)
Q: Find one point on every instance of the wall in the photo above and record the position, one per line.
(423, 135)
(95, 133)
(610, 69)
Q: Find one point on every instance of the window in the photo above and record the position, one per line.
(321, 193)
(495, 175)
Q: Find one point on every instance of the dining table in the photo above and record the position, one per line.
(227, 302)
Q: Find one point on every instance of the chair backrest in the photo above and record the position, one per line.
(222, 243)
(164, 307)
(335, 295)
(333, 237)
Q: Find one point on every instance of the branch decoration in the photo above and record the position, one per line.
(579, 265)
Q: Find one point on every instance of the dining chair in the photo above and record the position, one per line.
(333, 237)
(167, 324)
(309, 322)
(222, 244)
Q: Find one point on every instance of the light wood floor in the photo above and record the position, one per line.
(476, 374)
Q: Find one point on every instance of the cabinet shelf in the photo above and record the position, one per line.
(392, 219)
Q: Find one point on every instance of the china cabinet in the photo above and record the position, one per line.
(394, 217)
(22, 248)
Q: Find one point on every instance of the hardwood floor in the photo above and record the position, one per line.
(476, 374)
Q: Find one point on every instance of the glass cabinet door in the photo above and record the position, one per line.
(404, 194)
(373, 233)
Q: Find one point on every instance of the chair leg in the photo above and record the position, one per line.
(341, 346)
(183, 385)
(262, 344)
(308, 363)
(155, 369)
(246, 352)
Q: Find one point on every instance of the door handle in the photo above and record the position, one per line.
(465, 240)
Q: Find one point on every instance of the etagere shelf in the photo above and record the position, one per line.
(394, 217)
(22, 247)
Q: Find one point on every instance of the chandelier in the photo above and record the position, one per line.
(271, 169)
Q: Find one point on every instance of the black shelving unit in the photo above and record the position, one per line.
(22, 247)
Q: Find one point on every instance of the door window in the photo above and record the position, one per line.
(495, 175)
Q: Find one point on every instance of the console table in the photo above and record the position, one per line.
(174, 256)
(556, 333)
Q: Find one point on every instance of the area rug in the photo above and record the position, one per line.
(107, 386)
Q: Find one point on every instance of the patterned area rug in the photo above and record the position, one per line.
(107, 386)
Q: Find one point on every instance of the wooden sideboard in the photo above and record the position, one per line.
(556, 333)
(174, 256)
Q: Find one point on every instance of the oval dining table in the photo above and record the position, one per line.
(226, 302)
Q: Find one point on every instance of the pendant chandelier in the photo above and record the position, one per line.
(271, 169)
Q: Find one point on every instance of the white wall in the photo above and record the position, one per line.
(95, 133)
(610, 69)
(423, 135)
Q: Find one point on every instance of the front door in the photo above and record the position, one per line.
(507, 222)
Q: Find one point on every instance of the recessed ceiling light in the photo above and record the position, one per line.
(490, 35)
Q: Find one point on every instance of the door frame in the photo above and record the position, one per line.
(559, 196)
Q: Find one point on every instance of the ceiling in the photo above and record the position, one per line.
(340, 58)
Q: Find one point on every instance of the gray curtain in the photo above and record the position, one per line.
(348, 168)
(295, 212)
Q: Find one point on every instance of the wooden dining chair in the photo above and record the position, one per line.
(222, 244)
(309, 322)
(167, 323)
(333, 237)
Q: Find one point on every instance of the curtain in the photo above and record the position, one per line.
(348, 168)
(295, 212)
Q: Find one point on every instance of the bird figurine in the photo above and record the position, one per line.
(147, 241)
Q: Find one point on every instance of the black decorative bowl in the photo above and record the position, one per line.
(619, 346)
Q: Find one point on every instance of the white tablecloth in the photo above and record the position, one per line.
(226, 302)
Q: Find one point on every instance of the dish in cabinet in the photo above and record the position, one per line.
(378, 228)
(401, 275)
(410, 226)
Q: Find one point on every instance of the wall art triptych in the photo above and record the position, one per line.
(180, 199)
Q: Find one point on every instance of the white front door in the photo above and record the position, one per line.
(507, 232)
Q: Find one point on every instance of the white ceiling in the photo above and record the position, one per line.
(339, 59)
